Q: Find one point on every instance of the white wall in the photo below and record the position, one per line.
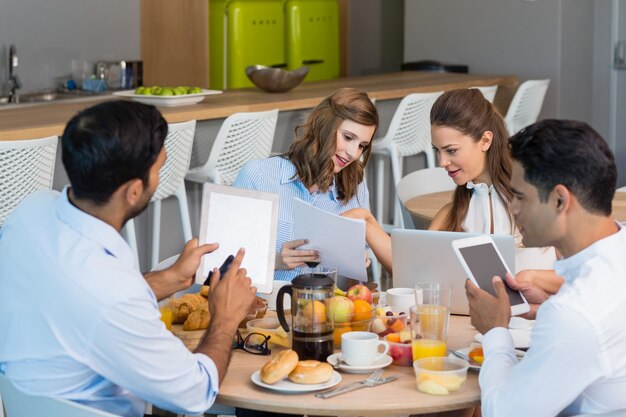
(568, 41)
(538, 39)
(376, 32)
(49, 34)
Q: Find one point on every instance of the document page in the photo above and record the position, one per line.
(339, 240)
(237, 218)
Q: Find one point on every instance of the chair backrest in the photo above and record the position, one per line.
(423, 181)
(178, 145)
(241, 138)
(14, 403)
(26, 166)
(410, 125)
(489, 91)
(526, 105)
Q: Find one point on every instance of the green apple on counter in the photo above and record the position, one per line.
(167, 91)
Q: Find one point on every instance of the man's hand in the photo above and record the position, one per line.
(229, 300)
(180, 275)
(189, 260)
(291, 258)
(533, 294)
(230, 297)
(486, 310)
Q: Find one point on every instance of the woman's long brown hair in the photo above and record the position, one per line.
(467, 111)
(316, 142)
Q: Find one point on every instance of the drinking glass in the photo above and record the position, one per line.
(429, 319)
(166, 312)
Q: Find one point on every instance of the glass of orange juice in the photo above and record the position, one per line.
(166, 313)
(429, 320)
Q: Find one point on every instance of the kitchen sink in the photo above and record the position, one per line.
(50, 96)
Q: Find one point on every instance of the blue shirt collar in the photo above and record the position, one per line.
(93, 228)
(289, 174)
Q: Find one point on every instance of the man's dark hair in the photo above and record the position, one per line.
(109, 144)
(570, 153)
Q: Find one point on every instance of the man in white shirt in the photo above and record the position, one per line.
(79, 322)
(563, 183)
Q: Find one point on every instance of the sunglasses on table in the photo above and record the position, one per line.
(255, 343)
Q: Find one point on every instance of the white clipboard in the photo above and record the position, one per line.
(239, 218)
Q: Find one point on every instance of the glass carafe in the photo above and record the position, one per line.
(312, 329)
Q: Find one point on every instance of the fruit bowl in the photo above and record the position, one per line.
(440, 375)
(388, 320)
(399, 350)
(351, 326)
(275, 80)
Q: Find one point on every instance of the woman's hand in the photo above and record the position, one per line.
(290, 257)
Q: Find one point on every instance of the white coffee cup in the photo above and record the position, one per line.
(362, 348)
(402, 298)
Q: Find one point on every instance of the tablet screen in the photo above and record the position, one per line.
(484, 262)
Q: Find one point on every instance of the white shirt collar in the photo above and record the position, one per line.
(94, 229)
(575, 262)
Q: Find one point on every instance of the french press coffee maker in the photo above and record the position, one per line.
(312, 327)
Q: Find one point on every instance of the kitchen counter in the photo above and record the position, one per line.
(48, 119)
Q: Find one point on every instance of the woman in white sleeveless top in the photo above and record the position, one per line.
(471, 142)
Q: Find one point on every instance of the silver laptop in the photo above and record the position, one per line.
(427, 256)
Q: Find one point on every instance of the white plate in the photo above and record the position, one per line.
(167, 101)
(521, 337)
(287, 386)
(380, 363)
(465, 351)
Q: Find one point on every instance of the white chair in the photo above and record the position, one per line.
(14, 403)
(26, 166)
(489, 91)
(423, 181)
(178, 144)
(408, 134)
(241, 138)
(526, 105)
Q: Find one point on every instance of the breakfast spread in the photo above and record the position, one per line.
(286, 364)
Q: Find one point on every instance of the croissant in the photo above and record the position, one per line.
(183, 306)
(204, 290)
(197, 320)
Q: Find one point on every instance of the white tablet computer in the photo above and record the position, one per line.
(482, 261)
(238, 218)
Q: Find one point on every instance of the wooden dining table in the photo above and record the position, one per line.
(424, 207)
(399, 397)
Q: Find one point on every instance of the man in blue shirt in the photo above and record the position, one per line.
(79, 322)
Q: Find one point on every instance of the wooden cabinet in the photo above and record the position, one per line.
(175, 41)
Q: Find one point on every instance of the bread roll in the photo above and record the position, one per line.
(279, 366)
(311, 372)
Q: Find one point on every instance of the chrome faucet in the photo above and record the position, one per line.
(14, 81)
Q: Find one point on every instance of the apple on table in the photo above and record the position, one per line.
(359, 292)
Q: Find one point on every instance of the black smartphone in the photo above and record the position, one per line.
(223, 269)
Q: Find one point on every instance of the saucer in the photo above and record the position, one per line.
(379, 363)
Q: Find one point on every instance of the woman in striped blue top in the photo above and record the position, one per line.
(324, 167)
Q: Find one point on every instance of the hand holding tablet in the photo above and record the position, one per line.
(482, 261)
